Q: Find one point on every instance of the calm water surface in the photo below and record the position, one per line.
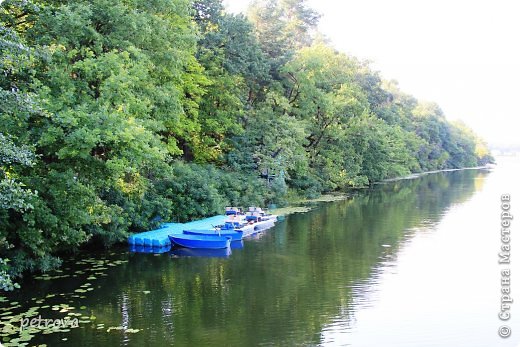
(408, 263)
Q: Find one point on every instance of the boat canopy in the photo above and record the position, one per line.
(233, 211)
(255, 209)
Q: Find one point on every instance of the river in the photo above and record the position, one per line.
(406, 263)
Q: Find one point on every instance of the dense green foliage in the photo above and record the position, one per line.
(117, 115)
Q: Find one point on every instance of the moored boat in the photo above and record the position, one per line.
(236, 235)
(200, 241)
(233, 211)
(246, 228)
(258, 214)
(263, 224)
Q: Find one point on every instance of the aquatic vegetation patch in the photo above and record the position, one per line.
(52, 313)
(121, 328)
(291, 209)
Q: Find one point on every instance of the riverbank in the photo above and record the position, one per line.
(302, 206)
(305, 205)
(420, 174)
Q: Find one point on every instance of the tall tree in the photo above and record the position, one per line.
(118, 89)
(283, 27)
(236, 69)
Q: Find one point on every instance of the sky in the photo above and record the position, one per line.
(462, 54)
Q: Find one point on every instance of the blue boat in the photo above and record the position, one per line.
(235, 235)
(233, 211)
(200, 241)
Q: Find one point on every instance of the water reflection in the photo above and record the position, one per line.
(201, 252)
(307, 281)
(441, 285)
(146, 249)
(237, 244)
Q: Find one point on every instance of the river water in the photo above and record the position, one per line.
(407, 263)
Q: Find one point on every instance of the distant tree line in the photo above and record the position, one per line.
(117, 115)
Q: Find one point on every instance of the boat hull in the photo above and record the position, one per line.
(247, 230)
(265, 224)
(200, 241)
(235, 235)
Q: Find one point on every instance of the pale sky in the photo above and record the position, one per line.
(462, 54)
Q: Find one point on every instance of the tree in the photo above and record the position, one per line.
(322, 92)
(118, 115)
(15, 197)
(283, 27)
(116, 91)
(236, 69)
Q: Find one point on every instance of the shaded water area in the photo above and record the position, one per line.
(407, 263)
